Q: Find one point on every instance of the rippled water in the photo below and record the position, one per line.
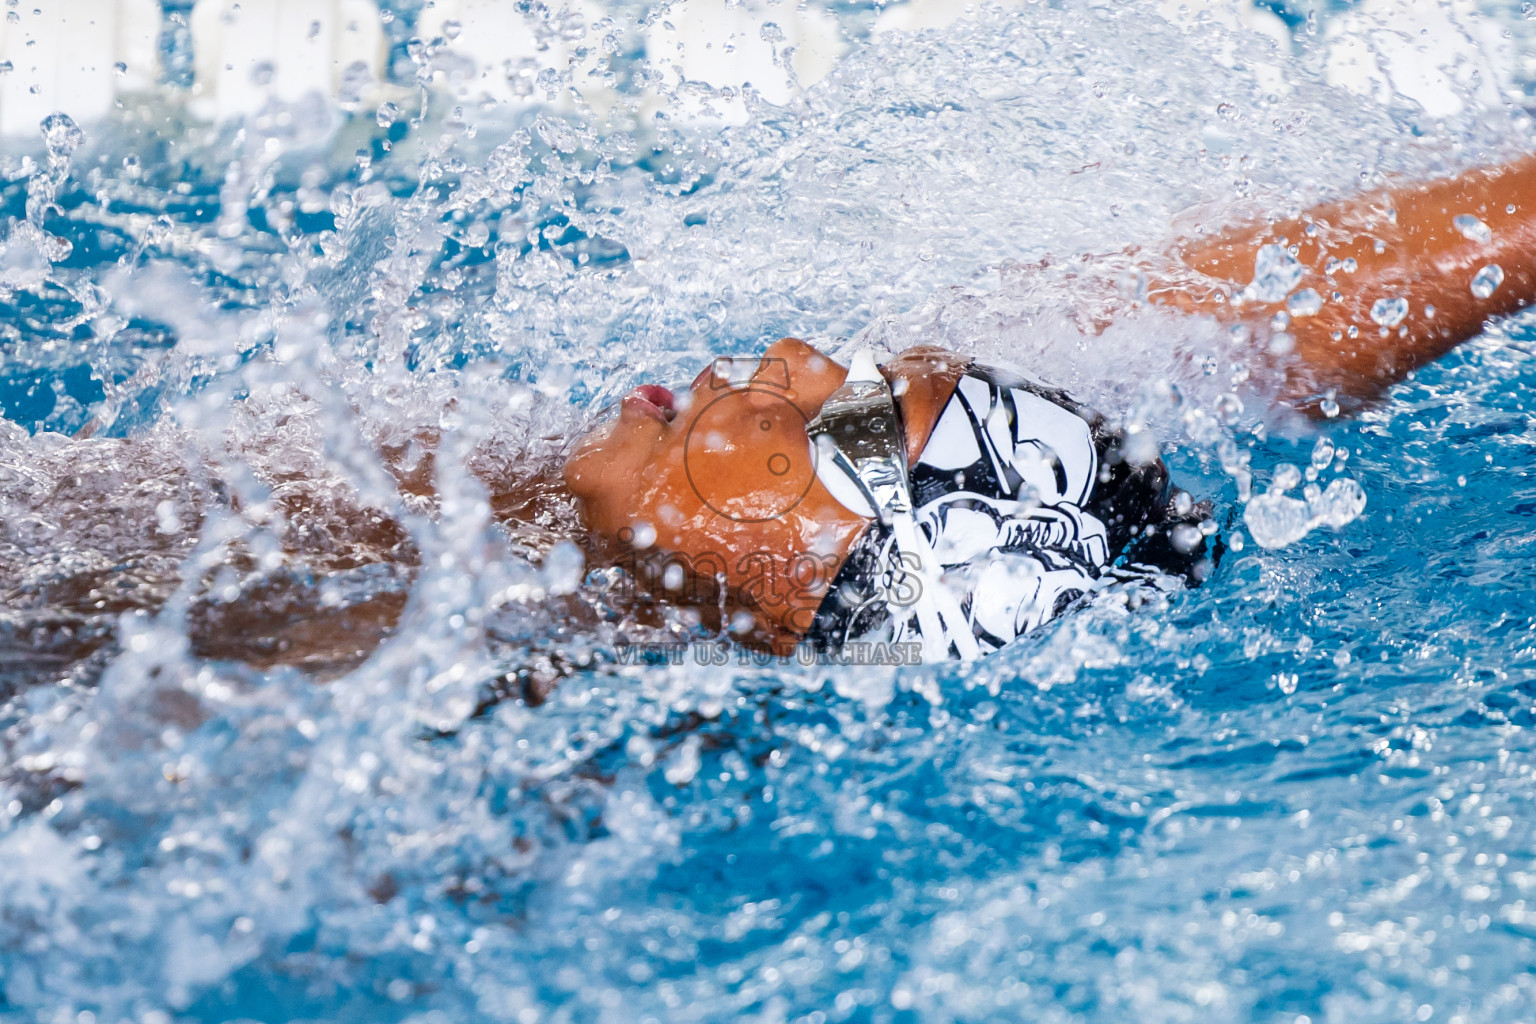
(1300, 792)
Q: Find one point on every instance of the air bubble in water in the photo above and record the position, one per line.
(1304, 303)
(451, 30)
(771, 32)
(1486, 281)
(1472, 229)
(1389, 312)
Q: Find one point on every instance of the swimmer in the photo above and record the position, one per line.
(930, 499)
(958, 506)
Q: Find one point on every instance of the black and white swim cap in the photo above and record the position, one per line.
(1019, 504)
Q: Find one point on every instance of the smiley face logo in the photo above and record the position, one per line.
(747, 454)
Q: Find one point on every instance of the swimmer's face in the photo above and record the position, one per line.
(723, 475)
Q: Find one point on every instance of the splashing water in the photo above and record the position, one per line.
(1296, 791)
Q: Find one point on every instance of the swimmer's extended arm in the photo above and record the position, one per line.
(1421, 243)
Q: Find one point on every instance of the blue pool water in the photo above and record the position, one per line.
(1303, 792)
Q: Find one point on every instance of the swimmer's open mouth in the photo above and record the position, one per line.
(652, 400)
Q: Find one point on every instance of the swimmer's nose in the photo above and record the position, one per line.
(650, 401)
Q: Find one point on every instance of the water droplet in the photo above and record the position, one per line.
(120, 69)
(1389, 312)
(1322, 453)
(387, 114)
(451, 30)
(771, 33)
(6, 67)
(477, 234)
(1329, 407)
(1275, 273)
(571, 28)
(1286, 477)
(557, 134)
(1226, 111)
(60, 134)
(1486, 281)
(1472, 229)
(1304, 303)
(521, 75)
